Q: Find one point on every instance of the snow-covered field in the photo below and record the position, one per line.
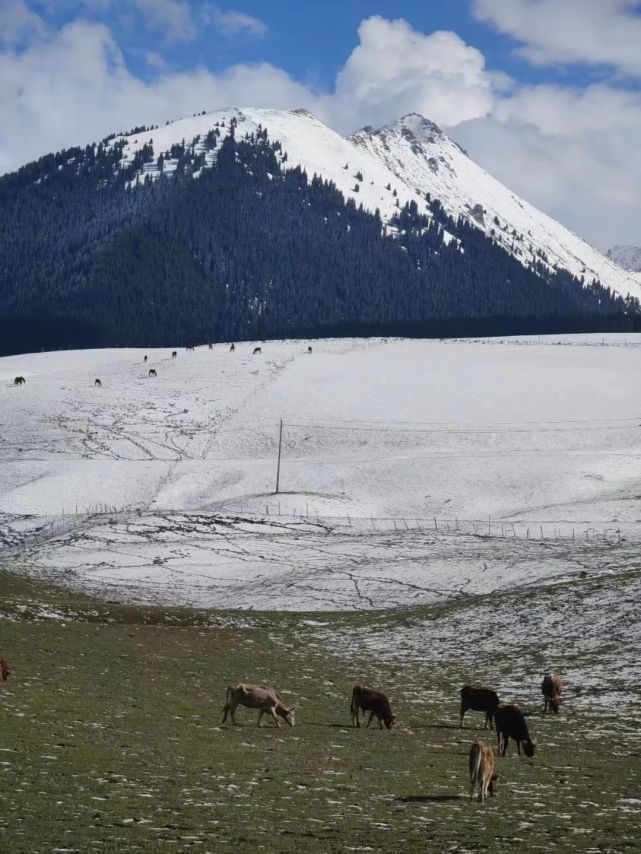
(411, 470)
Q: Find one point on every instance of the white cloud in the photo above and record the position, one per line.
(569, 31)
(170, 17)
(573, 153)
(396, 70)
(233, 23)
(18, 23)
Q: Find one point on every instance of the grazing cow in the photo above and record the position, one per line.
(479, 700)
(257, 351)
(97, 382)
(4, 669)
(152, 372)
(145, 359)
(482, 770)
(374, 702)
(551, 688)
(266, 700)
(211, 346)
(19, 381)
(309, 350)
(174, 354)
(189, 347)
(232, 348)
(510, 723)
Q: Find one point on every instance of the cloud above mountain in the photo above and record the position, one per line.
(571, 150)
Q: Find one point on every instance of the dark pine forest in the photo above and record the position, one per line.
(251, 249)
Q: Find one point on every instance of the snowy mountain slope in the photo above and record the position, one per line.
(429, 161)
(541, 436)
(627, 257)
(412, 157)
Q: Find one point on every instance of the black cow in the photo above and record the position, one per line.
(145, 359)
(232, 348)
(510, 723)
(19, 381)
(97, 382)
(152, 372)
(257, 351)
(309, 350)
(174, 354)
(479, 700)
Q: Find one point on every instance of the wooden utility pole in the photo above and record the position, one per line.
(280, 446)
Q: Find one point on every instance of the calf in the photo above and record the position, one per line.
(266, 700)
(551, 688)
(4, 669)
(374, 702)
(510, 723)
(479, 700)
(482, 770)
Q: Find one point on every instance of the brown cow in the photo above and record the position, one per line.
(267, 700)
(482, 770)
(510, 723)
(479, 700)
(374, 702)
(551, 688)
(4, 669)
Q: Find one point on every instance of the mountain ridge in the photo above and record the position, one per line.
(265, 223)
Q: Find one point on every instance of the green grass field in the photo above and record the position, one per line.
(110, 740)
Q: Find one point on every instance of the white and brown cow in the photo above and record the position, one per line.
(482, 770)
(266, 700)
(551, 688)
(374, 702)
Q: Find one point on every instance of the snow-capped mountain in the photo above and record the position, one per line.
(627, 257)
(411, 159)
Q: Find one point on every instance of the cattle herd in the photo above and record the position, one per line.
(508, 719)
(257, 351)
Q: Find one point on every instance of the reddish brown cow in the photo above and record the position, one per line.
(510, 723)
(551, 688)
(482, 770)
(374, 702)
(479, 700)
(4, 669)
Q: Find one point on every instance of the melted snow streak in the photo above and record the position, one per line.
(401, 163)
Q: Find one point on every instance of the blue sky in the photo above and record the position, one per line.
(546, 94)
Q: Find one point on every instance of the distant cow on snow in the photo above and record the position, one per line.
(232, 347)
(551, 688)
(374, 702)
(145, 359)
(309, 350)
(97, 382)
(211, 346)
(189, 347)
(4, 669)
(152, 372)
(482, 770)
(266, 700)
(257, 351)
(19, 381)
(479, 700)
(174, 354)
(510, 723)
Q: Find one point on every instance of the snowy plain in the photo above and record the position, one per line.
(412, 471)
